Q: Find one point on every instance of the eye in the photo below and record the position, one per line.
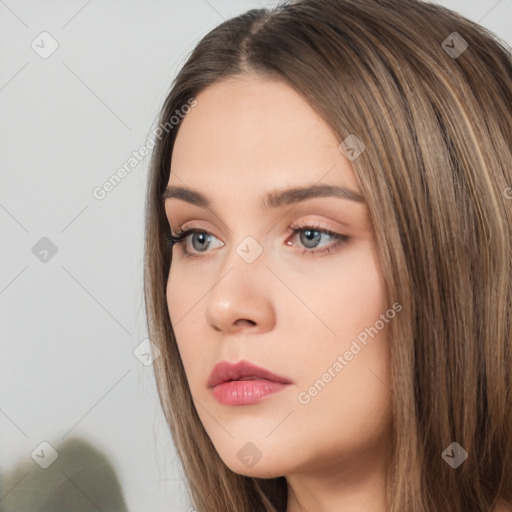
(309, 236)
(182, 234)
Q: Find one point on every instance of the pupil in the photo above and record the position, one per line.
(202, 235)
(311, 236)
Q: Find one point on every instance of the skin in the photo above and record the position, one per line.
(289, 311)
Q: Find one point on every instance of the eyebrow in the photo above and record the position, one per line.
(274, 199)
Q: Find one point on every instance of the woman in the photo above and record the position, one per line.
(328, 261)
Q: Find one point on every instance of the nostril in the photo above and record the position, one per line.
(243, 320)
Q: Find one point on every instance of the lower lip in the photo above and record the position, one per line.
(245, 392)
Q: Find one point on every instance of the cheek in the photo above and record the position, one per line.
(185, 294)
(360, 298)
(173, 293)
(179, 295)
(345, 370)
(341, 298)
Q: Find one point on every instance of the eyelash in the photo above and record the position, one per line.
(182, 234)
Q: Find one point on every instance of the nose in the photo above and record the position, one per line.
(241, 298)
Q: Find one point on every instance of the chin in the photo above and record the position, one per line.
(242, 464)
(259, 470)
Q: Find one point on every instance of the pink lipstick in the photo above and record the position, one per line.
(244, 383)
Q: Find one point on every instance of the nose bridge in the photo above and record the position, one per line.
(240, 292)
(244, 250)
(244, 267)
(247, 259)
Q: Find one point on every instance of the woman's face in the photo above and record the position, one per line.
(307, 306)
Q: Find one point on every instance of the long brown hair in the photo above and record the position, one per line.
(429, 93)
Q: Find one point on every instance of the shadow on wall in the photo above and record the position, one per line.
(80, 479)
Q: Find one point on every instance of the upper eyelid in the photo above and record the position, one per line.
(317, 224)
(295, 225)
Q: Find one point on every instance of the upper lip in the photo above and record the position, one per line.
(226, 371)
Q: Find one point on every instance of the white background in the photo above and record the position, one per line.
(69, 326)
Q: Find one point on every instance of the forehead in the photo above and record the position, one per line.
(255, 134)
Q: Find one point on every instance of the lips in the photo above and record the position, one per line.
(243, 370)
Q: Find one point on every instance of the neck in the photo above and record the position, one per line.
(351, 488)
